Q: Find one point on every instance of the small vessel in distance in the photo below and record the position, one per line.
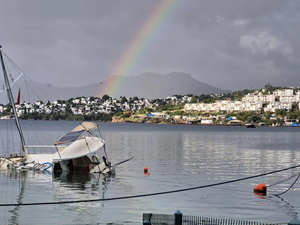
(250, 125)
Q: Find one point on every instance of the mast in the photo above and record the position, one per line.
(12, 102)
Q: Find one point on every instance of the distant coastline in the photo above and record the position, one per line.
(163, 121)
(182, 122)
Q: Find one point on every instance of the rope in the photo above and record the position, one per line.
(284, 180)
(149, 194)
(290, 186)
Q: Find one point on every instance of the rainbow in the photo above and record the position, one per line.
(125, 64)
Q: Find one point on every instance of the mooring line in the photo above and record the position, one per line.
(284, 180)
(289, 187)
(179, 183)
(149, 194)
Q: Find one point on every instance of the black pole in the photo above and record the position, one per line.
(11, 100)
(178, 217)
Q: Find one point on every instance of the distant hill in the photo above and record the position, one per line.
(148, 85)
(151, 85)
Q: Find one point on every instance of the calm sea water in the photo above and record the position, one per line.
(178, 157)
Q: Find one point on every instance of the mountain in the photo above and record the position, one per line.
(148, 85)
(151, 85)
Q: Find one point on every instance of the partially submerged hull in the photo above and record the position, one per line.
(46, 162)
(77, 155)
(32, 162)
(38, 162)
(83, 165)
(77, 151)
(11, 162)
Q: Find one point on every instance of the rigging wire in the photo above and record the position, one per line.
(13, 81)
(17, 68)
(149, 194)
(28, 83)
(29, 87)
(11, 99)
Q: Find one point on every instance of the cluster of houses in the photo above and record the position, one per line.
(78, 106)
(89, 105)
(258, 102)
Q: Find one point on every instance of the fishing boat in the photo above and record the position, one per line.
(76, 151)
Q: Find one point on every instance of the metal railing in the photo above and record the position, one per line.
(179, 219)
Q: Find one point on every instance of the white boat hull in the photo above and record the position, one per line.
(33, 162)
(11, 162)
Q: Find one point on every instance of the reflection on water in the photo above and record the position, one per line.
(280, 203)
(260, 195)
(83, 184)
(283, 205)
(15, 211)
(30, 187)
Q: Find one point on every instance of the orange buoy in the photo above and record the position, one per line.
(146, 171)
(260, 188)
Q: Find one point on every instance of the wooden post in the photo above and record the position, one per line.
(178, 218)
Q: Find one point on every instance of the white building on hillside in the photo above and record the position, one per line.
(283, 92)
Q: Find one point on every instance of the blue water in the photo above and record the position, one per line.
(178, 157)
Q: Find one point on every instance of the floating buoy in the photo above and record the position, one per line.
(146, 171)
(260, 188)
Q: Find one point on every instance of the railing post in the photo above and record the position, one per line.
(178, 218)
(146, 222)
(294, 222)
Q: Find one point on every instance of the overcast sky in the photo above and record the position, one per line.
(233, 44)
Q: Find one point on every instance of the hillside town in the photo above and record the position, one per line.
(260, 102)
(257, 102)
(279, 107)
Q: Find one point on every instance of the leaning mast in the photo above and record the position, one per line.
(12, 102)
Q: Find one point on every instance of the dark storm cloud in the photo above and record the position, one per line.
(231, 44)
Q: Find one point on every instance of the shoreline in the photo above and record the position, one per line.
(192, 124)
(160, 121)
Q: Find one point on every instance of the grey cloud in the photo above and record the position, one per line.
(73, 43)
